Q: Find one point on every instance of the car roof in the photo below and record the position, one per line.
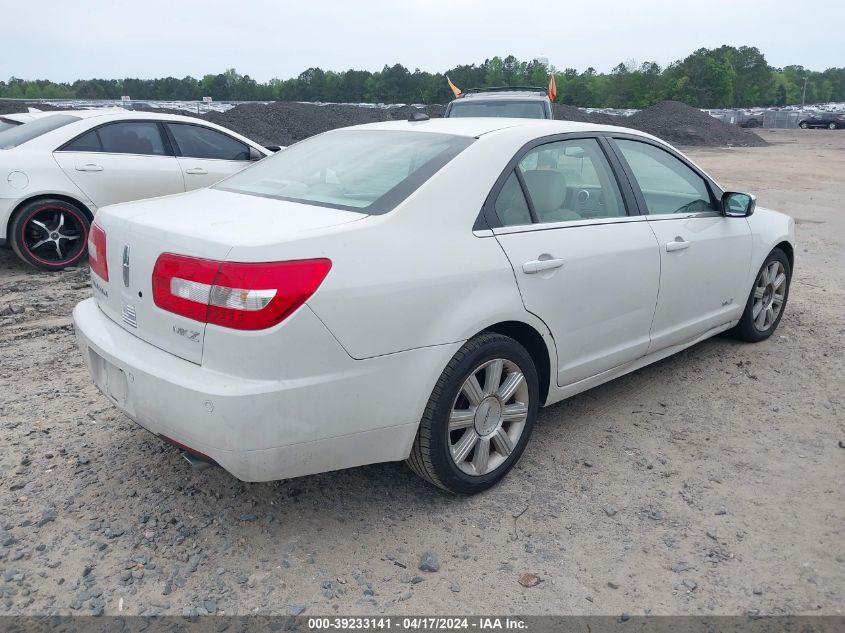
(123, 113)
(503, 95)
(478, 126)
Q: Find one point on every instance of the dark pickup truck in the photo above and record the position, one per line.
(516, 102)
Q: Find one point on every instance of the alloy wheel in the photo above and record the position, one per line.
(769, 295)
(54, 235)
(488, 417)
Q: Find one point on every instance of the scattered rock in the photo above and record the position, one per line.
(610, 511)
(690, 584)
(529, 580)
(429, 562)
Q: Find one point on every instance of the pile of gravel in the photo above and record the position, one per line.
(285, 123)
(683, 125)
(16, 107)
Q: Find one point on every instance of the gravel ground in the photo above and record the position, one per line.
(708, 483)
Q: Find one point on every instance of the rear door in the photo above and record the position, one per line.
(583, 264)
(705, 256)
(205, 155)
(121, 161)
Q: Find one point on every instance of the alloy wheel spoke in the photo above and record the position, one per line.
(58, 248)
(473, 390)
(69, 237)
(778, 282)
(41, 225)
(760, 320)
(770, 316)
(61, 221)
(516, 412)
(509, 387)
(759, 291)
(481, 459)
(493, 377)
(461, 419)
(41, 243)
(503, 443)
(464, 447)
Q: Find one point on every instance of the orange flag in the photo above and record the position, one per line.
(552, 87)
(455, 90)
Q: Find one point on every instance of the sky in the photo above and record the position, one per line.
(64, 41)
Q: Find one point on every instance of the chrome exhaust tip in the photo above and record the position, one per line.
(196, 463)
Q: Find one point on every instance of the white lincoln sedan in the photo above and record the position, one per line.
(416, 291)
(58, 168)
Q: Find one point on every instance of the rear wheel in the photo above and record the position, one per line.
(479, 417)
(832, 126)
(803, 125)
(50, 234)
(767, 300)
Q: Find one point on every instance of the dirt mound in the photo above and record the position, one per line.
(284, 123)
(16, 107)
(571, 113)
(681, 124)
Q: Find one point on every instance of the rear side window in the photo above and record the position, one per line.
(565, 181)
(28, 131)
(89, 142)
(132, 137)
(195, 141)
(369, 171)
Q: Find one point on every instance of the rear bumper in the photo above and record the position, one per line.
(353, 413)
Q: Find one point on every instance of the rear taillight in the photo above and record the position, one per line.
(97, 252)
(242, 296)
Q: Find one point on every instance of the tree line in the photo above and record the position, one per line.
(708, 78)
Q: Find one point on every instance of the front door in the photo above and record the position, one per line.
(207, 156)
(704, 255)
(583, 265)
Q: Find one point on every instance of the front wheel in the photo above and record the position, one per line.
(49, 234)
(479, 416)
(767, 300)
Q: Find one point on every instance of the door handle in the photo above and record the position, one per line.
(89, 167)
(678, 244)
(196, 170)
(539, 265)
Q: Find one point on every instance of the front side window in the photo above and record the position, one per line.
(564, 181)
(668, 185)
(23, 133)
(195, 141)
(369, 171)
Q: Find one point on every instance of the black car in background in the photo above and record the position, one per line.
(829, 120)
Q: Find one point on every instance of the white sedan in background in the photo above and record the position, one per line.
(59, 168)
(417, 290)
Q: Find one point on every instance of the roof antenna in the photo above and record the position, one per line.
(419, 116)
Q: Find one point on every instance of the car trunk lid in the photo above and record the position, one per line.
(205, 224)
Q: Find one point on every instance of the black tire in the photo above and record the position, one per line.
(832, 126)
(45, 218)
(430, 456)
(803, 125)
(747, 329)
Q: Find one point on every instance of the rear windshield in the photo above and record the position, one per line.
(22, 133)
(511, 109)
(6, 124)
(368, 171)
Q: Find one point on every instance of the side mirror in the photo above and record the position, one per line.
(254, 154)
(738, 205)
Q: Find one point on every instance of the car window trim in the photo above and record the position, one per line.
(488, 218)
(713, 189)
(96, 129)
(178, 150)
